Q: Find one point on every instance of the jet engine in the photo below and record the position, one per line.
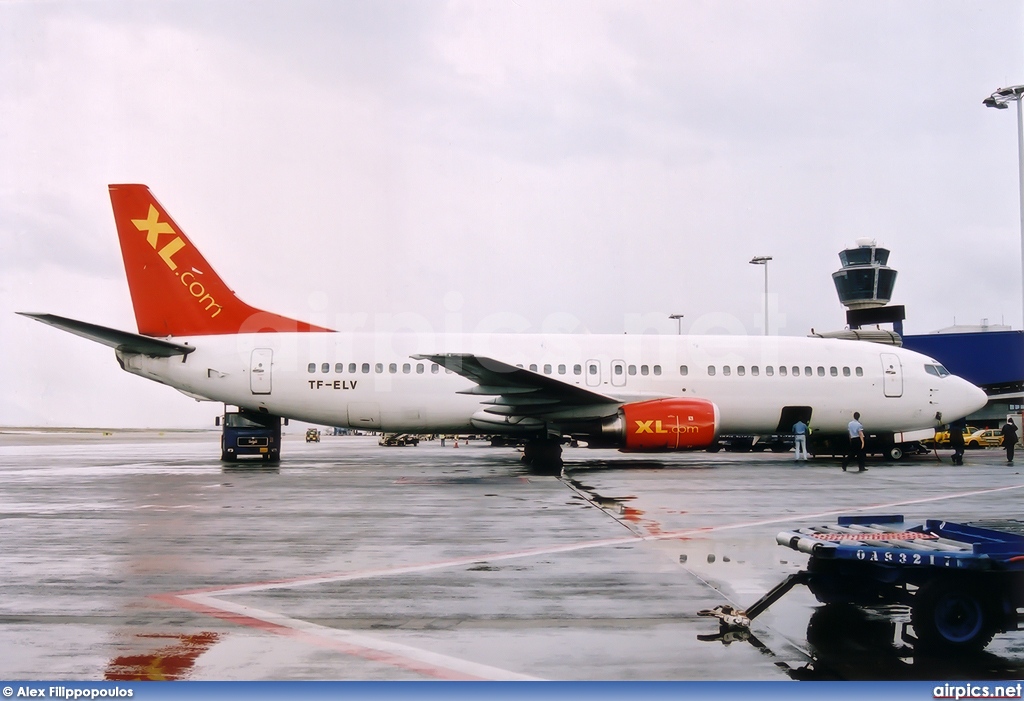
(663, 424)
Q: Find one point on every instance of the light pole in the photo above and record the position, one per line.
(763, 260)
(1000, 100)
(679, 322)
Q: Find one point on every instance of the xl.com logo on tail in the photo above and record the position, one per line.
(153, 228)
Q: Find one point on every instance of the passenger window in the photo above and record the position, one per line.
(726, 370)
(631, 369)
(419, 368)
(311, 368)
(547, 369)
(561, 369)
(833, 371)
(860, 372)
(821, 371)
(741, 371)
(754, 371)
(325, 368)
(769, 371)
(378, 368)
(711, 370)
(592, 369)
(393, 368)
(796, 371)
(657, 369)
(617, 369)
(366, 367)
(339, 368)
(577, 369)
(407, 368)
(846, 372)
(782, 370)
(433, 368)
(808, 371)
(533, 367)
(644, 370)
(352, 368)
(683, 370)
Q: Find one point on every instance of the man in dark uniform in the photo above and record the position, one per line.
(1009, 439)
(956, 439)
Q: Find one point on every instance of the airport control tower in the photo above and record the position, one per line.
(865, 284)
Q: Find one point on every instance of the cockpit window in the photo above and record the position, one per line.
(936, 370)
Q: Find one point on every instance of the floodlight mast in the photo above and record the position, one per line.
(1000, 100)
(763, 260)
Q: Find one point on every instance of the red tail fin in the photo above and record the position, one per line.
(174, 290)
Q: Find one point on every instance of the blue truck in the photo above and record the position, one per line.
(250, 435)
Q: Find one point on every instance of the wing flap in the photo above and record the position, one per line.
(523, 393)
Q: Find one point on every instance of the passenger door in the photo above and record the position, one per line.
(892, 375)
(260, 366)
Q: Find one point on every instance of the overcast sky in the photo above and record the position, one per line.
(523, 166)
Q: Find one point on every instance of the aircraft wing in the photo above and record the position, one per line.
(119, 340)
(516, 391)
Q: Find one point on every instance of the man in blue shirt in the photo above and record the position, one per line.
(856, 432)
(800, 440)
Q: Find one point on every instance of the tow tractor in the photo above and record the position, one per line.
(963, 583)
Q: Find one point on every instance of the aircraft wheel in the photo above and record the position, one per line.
(543, 457)
(950, 615)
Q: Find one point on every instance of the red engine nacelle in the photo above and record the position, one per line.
(665, 424)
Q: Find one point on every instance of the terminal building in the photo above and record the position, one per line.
(990, 356)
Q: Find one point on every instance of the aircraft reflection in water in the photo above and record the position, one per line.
(632, 392)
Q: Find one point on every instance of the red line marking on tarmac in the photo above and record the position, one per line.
(366, 653)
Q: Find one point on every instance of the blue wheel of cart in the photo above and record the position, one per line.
(949, 614)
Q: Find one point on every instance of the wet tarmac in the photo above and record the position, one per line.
(140, 555)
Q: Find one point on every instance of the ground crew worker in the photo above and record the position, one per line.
(856, 433)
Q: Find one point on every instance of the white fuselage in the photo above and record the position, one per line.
(371, 380)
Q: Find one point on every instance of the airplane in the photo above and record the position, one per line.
(632, 392)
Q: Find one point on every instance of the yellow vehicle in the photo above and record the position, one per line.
(312, 435)
(984, 438)
(942, 437)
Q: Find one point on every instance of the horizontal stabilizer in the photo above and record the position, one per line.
(119, 340)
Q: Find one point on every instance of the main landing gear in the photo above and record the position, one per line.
(544, 456)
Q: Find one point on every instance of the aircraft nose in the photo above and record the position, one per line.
(978, 398)
(969, 399)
